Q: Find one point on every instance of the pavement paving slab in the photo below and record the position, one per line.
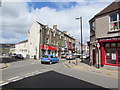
(87, 68)
(3, 65)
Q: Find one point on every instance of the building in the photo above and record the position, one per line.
(45, 40)
(5, 49)
(21, 48)
(105, 36)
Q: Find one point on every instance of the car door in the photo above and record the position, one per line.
(56, 59)
(52, 58)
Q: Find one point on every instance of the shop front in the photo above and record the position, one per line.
(110, 51)
(46, 49)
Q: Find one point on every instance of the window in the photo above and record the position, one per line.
(111, 56)
(45, 56)
(54, 43)
(47, 40)
(107, 45)
(118, 45)
(115, 22)
(113, 44)
(48, 32)
(93, 25)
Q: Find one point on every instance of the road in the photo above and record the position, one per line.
(33, 74)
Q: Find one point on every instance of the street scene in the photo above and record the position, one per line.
(59, 45)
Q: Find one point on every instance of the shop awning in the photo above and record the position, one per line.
(52, 48)
(46, 47)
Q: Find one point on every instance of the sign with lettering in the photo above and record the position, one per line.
(113, 56)
(117, 38)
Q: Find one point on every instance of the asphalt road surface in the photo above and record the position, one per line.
(33, 74)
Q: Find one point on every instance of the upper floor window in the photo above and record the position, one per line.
(115, 22)
(47, 40)
(93, 25)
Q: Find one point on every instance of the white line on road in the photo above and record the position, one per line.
(26, 76)
(17, 79)
(38, 72)
(13, 78)
(4, 83)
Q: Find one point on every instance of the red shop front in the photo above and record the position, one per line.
(110, 52)
(46, 47)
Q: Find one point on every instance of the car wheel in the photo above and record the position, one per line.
(50, 62)
(42, 63)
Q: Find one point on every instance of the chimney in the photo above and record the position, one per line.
(54, 26)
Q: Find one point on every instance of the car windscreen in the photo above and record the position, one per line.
(45, 56)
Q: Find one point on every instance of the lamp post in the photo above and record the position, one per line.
(81, 37)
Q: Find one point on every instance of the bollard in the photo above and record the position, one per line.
(69, 61)
(76, 62)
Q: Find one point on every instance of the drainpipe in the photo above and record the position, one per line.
(98, 66)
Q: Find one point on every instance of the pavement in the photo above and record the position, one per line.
(3, 65)
(106, 70)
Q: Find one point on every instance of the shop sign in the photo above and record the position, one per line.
(113, 56)
(110, 39)
(98, 45)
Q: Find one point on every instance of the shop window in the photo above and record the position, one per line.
(111, 56)
(119, 16)
(115, 22)
(118, 44)
(119, 56)
(113, 44)
(107, 45)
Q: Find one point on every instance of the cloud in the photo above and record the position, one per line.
(17, 20)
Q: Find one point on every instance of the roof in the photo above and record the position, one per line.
(40, 24)
(23, 41)
(6, 45)
(112, 7)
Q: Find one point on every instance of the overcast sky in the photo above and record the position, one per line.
(17, 17)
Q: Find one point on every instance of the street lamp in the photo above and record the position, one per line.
(81, 36)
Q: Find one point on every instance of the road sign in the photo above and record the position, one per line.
(98, 45)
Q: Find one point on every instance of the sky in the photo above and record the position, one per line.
(17, 17)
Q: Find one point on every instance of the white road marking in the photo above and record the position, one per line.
(17, 79)
(13, 78)
(26, 76)
(38, 72)
(34, 72)
(4, 83)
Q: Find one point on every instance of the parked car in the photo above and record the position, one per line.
(83, 56)
(77, 55)
(49, 58)
(64, 55)
(70, 57)
(19, 56)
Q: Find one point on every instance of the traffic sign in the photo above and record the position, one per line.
(98, 45)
